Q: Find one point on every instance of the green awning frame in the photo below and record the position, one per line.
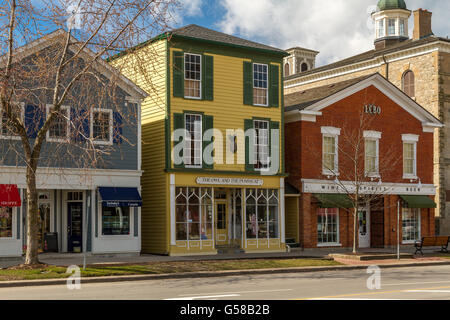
(334, 200)
(422, 202)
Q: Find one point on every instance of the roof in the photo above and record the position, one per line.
(316, 99)
(196, 32)
(100, 65)
(368, 55)
(302, 99)
(302, 49)
(391, 4)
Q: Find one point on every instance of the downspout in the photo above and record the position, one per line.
(387, 67)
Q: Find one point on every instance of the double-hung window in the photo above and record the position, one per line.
(391, 27)
(402, 29)
(260, 84)
(330, 150)
(193, 141)
(380, 28)
(261, 143)
(102, 126)
(371, 153)
(60, 128)
(7, 129)
(410, 156)
(192, 76)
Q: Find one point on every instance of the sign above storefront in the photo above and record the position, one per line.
(372, 109)
(230, 181)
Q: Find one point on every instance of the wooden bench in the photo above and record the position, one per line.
(441, 241)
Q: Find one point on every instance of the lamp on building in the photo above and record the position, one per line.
(420, 184)
(380, 182)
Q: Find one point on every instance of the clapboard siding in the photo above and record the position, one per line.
(228, 107)
(147, 68)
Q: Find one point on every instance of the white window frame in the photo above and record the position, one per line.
(411, 139)
(201, 73)
(372, 136)
(331, 244)
(22, 116)
(66, 139)
(331, 132)
(194, 166)
(91, 127)
(253, 84)
(418, 212)
(267, 165)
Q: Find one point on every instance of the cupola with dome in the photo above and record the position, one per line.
(391, 22)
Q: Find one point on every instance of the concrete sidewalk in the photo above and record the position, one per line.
(68, 259)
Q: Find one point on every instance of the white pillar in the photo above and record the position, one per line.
(173, 240)
(283, 237)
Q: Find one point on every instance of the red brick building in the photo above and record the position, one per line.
(362, 136)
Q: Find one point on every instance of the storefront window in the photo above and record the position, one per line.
(262, 213)
(411, 224)
(194, 212)
(327, 226)
(6, 218)
(116, 220)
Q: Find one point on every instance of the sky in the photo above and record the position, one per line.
(336, 28)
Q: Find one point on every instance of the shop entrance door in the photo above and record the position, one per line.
(74, 226)
(221, 223)
(44, 216)
(364, 228)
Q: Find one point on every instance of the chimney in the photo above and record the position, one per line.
(422, 24)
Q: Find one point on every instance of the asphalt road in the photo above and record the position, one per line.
(400, 283)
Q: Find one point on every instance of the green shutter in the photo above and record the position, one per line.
(248, 83)
(178, 123)
(208, 78)
(274, 125)
(208, 123)
(248, 124)
(178, 74)
(274, 92)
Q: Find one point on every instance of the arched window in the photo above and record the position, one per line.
(304, 67)
(286, 70)
(408, 85)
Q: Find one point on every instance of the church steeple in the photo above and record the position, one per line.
(391, 23)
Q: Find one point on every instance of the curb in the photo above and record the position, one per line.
(209, 274)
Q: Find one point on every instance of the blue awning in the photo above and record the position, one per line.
(120, 197)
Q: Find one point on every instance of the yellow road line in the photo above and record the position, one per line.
(371, 293)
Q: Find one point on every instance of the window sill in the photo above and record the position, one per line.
(410, 177)
(57, 140)
(330, 174)
(103, 143)
(193, 98)
(10, 137)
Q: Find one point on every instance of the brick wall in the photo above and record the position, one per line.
(304, 139)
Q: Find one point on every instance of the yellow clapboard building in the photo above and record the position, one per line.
(212, 150)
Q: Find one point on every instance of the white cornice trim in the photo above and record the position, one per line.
(390, 90)
(439, 45)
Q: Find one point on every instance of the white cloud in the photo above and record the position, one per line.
(192, 7)
(336, 28)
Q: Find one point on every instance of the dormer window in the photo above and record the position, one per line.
(380, 28)
(402, 27)
(391, 27)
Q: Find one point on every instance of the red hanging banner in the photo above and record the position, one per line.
(9, 196)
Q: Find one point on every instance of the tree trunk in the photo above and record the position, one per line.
(355, 229)
(32, 219)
